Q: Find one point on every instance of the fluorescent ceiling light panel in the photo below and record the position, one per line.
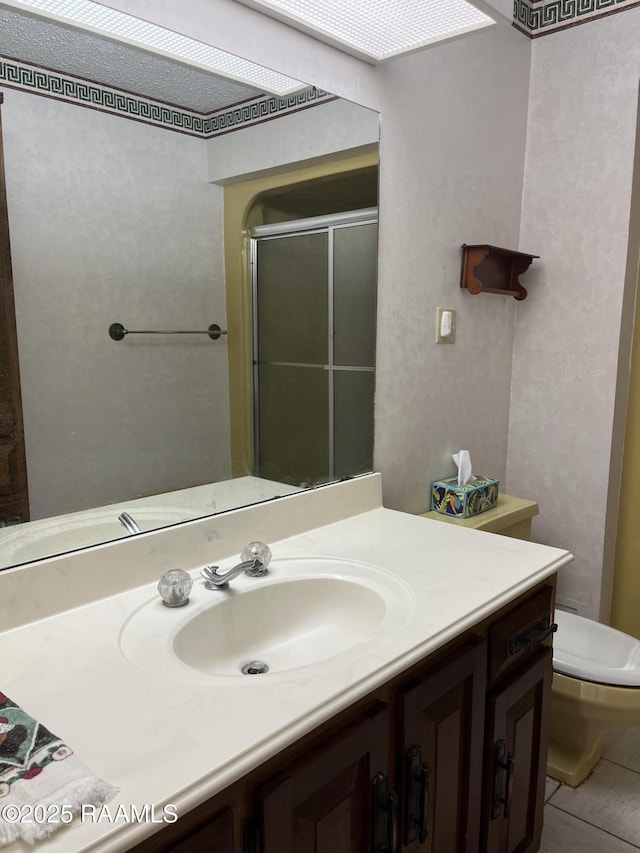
(377, 29)
(117, 25)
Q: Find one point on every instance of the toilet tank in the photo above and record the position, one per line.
(511, 517)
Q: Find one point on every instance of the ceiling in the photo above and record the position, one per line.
(58, 47)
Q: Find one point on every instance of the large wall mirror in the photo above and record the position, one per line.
(145, 192)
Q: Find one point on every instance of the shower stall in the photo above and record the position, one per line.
(314, 309)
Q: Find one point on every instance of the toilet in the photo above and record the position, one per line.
(596, 669)
(596, 687)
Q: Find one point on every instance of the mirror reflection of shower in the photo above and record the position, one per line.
(159, 426)
(314, 308)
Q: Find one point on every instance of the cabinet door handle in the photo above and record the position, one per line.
(417, 792)
(502, 781)
(531, 636)
(385, 819)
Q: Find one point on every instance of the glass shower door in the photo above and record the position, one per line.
(355, 274)
(314, 346)
(291, 398)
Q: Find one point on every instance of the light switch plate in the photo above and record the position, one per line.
(440, 338)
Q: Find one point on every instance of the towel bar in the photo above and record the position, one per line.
(117, 331)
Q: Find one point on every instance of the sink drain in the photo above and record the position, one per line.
(254, 667)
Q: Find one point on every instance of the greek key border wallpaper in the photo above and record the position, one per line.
(539, 17)
(74, 90)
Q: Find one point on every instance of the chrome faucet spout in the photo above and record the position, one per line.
(255, 557)
(214, 580)
(125, 519)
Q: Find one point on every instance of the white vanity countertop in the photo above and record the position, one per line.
(154, 738)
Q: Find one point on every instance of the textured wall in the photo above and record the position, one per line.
(112, 220)
(578, 176)
(452, 157)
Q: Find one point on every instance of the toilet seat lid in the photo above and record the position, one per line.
(591, 651)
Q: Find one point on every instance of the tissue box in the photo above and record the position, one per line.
(457, 501)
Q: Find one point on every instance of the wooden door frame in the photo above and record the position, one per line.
(14, 497)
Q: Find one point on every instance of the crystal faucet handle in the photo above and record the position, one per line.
(260, 553)
(174, 588)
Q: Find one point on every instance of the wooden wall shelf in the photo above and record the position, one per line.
(490, 269)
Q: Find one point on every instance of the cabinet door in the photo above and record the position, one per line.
(516, 758)
(441, 720)
(215, 836)
(324, 802)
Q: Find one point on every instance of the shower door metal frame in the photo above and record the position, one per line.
(293, 228)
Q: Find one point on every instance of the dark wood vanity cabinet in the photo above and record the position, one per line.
(448, 757)
(515, 758)
(215, 836)
(520, 669)
(336, 800)
(441, 736)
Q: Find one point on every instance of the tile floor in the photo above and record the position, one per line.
(603, 814)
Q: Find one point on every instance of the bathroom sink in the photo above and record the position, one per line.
(303, 613)
(289, 624)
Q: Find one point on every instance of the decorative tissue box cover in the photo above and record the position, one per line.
(457, 501)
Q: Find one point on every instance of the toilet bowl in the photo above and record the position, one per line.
(596, 687)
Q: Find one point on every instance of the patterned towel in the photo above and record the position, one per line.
(43, 784)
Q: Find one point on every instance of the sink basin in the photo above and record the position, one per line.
(287, 625)
(303, 613)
